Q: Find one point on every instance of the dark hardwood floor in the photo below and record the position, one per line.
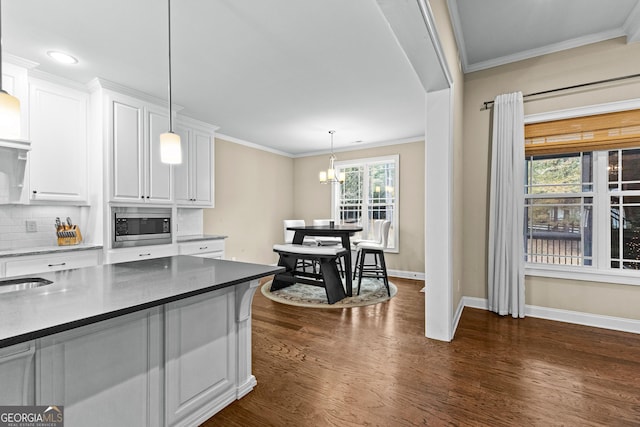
(372, 366)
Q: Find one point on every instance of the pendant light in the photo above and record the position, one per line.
(330, 174)
(9, 105)
(170, 149)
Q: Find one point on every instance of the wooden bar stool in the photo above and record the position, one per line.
(378, 269)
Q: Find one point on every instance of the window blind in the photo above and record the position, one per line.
(590, 133)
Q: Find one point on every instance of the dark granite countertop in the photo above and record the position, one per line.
(88, 295)
(42, 250)
(198, 237)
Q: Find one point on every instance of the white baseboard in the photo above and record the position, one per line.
(481, 303)
(587, 319)
(567, 316)
(456, 317)
(406, 274)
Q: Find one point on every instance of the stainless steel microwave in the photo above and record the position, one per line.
(141, 226)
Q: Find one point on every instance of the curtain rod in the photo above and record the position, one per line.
(489, 104)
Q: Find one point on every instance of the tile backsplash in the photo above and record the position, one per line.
(189, 222)
(13, 225)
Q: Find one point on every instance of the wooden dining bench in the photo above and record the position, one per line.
(328, 276)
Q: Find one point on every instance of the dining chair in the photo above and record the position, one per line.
(377, 238)
(378, 269)
(329, 241)
(288, 234)
(326, 240)
(308, 241)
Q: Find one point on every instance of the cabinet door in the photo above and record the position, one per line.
(58, 157)
(181, 172)
(105, 374)
(158, 175)
(200, 348)
(17, 374)
(202, 168)
(193, 179)
(127, 149)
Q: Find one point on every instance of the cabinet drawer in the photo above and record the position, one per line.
(202, 247)
(136, 254)
(51, 262)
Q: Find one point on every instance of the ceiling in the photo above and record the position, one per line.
(282, 73)
(276, 73)
(495, 32)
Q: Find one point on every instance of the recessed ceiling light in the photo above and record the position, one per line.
(358, 141)
(62, 57)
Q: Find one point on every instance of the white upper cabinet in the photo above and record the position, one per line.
(15, 81)
(194, 177)
(58, 132)
(138, 175)
(127, 136)
(158, 174)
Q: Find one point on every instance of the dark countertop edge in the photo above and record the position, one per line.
(41, 333)
(10, 253)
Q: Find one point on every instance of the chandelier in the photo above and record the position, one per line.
(330, 174)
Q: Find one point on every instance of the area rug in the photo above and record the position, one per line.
(372, 291)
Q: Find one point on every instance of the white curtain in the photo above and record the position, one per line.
(506, 208)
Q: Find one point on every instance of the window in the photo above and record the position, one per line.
(558, 209)
(369, 192)
(582, 195)
(624, 189)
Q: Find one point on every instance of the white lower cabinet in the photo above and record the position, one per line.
(17, 374)
(200, 372)
(140, 253)
(171, 365)
(105, 374)
(34, 264)
(204, 249)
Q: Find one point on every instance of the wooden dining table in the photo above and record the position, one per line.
(343, 231)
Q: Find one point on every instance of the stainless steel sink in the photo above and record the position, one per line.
(12, 285)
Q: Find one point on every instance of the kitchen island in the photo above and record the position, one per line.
(165, 341)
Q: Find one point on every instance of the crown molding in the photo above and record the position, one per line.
(356, 147)
(191, 122)
(252, 145)
(19, 61)
(100, 83)
(545, 50)
(54, 78)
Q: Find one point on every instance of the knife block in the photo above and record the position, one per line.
(68, 236)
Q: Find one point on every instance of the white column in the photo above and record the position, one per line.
(439, 215)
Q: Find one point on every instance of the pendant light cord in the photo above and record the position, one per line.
(332, 132)
(169, 32)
